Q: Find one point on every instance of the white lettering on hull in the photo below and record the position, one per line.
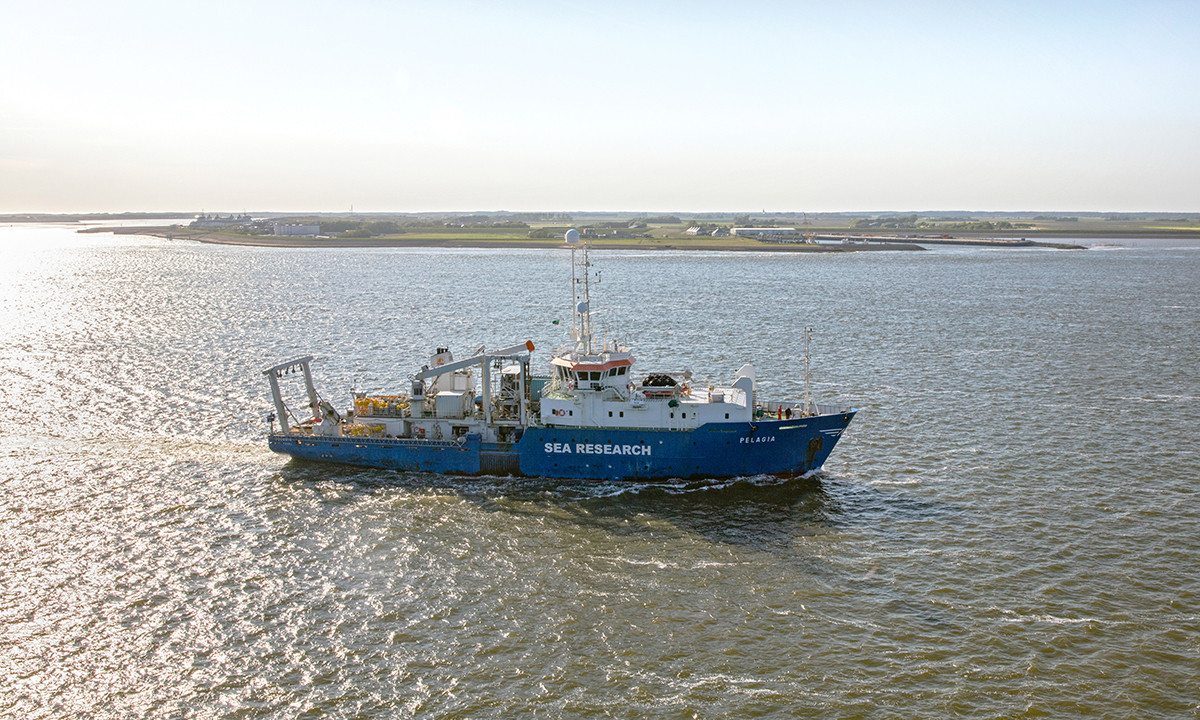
(595, 449)
(752, 439)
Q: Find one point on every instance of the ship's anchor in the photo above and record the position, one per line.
(814, 447)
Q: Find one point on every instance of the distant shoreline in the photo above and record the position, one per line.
(855, 244)
(415, 241)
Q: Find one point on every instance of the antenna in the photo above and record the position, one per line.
(807, 360)
(581, 326)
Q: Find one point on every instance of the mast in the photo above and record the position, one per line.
(581, 322)
(807, 359)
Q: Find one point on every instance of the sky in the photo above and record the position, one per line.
(698, 106)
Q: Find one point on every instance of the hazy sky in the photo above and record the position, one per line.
(669, 106)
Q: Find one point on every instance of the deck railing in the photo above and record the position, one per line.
(797, 408)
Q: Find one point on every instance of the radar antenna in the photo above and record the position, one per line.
(808, 410)
(581, 324)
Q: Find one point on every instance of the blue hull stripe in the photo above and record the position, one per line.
(767, 447)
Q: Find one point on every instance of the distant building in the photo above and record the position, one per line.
(762, 233)
(694, 230)
(215, 220)
(282, 230)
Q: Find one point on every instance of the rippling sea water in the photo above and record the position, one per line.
(1010, 529)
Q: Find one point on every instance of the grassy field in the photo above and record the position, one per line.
(1022, 227)
(615, 230)
(464, 239)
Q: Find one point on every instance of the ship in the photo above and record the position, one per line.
(595, 416)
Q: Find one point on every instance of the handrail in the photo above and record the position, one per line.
(797, 408)
(369, 440)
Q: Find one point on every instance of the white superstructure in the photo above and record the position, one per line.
(596, 386)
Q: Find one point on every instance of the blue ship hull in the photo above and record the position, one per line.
(713, 450)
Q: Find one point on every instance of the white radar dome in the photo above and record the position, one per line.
(572, 236)
(581, 308)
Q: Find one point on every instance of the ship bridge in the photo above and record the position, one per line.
(610, 368)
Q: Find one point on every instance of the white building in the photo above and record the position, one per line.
(215, 220)
(297, 230)
(772, 232)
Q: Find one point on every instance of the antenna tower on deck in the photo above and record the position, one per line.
(808, 410)
(581, 324)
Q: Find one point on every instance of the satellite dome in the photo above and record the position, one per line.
(571, 236)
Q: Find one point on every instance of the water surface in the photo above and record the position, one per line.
(1011, 527)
